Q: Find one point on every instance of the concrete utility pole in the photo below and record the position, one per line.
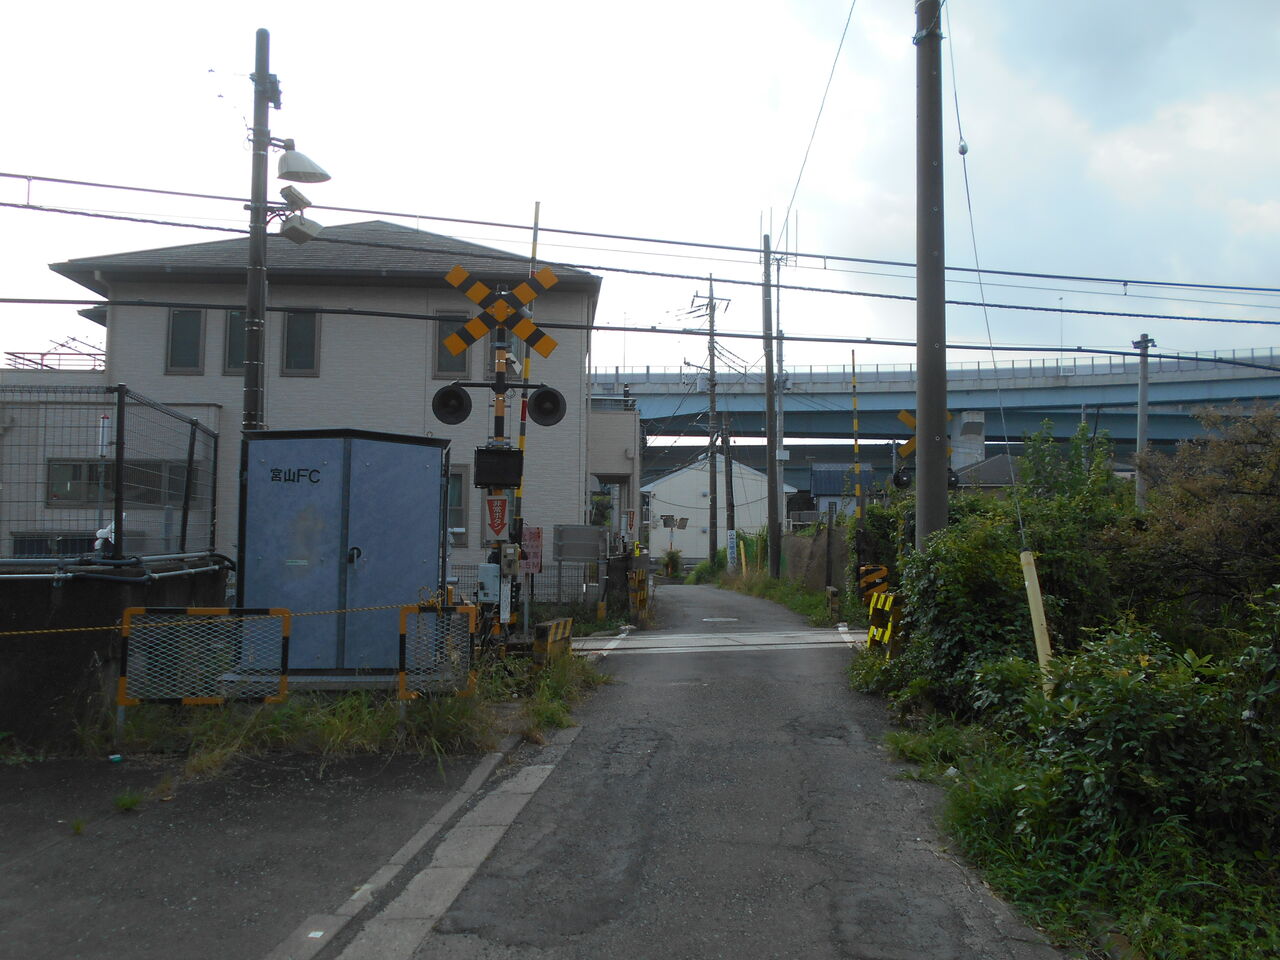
(771, 419)
(266, 93)
(1142, 344)
(782, 422)
(730, 520)
(931, 316)
(713, 540)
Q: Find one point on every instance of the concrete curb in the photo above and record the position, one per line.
(318, 929)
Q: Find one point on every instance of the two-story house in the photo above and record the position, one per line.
(354, 338)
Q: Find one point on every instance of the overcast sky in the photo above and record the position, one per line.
(1135, 140)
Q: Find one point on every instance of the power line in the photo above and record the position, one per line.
(664, 331)
(515, 258)
(786, 221)
(825, 257)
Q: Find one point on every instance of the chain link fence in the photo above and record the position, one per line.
(436, 648)
(196, 655)
(76, 460)
(566, 582)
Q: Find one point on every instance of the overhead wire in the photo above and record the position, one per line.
(977, 262)
(632, 238)
(786, 220)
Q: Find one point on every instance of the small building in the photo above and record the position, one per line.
(355, 328)
(685, 494)
(836, 483)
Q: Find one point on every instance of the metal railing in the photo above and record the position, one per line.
(612, 379)
(87, 465)
(559, 582)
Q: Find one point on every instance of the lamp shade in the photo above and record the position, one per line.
(299, 168)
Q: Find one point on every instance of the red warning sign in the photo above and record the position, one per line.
(495, 512)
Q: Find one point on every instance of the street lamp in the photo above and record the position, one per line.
(293, 166)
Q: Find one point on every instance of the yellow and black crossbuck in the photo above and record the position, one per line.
(499, 308)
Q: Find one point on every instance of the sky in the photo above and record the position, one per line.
(1134, 141)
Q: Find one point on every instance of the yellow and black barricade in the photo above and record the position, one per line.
(552, 639)
(437, 640)
(884, 611)
(203, 655)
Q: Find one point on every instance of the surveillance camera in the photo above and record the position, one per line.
(299, 229)
(294, 198)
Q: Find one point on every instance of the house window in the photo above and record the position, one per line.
(52, 544)
(444, 365)
(457, 512)
(185, 349)
(233, 354)
(86, 483)
(301, 354)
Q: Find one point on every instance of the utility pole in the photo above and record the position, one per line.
(931, 316)
(713, 540)
(771, 419)
(266, 93)
(1142, 344)
(730, 520)
(782, 425)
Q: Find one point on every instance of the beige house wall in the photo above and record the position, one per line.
(374, 373)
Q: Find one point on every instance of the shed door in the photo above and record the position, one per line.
(393, 543)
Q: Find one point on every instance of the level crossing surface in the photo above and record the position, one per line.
(732, 799)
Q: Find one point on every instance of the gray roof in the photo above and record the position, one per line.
(388, 252)
(835, 479)
(991, 472)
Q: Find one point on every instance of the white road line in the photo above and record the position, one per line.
(397, 931)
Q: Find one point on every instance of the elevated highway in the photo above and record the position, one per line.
(1016, 397)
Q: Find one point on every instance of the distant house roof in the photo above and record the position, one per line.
(700, 465)
(834, 479)
(993, 472)
(375, 249)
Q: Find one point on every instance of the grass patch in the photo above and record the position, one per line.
(126, 802)
(789, 593)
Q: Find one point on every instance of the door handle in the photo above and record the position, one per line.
(354, 554)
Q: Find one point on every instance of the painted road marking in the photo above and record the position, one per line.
(401, 926)
(720, 642)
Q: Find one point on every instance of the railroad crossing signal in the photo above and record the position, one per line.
(498, 308)
(909, 421)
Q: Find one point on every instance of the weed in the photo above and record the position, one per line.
(128, 800)
(77, 826)
(788, 593)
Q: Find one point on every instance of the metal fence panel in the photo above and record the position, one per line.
(568, 582)
(202, 655)
(78, 459)
(436, 649)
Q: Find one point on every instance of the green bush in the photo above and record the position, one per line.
(707, 571)
(1138, 734)
(965, 605)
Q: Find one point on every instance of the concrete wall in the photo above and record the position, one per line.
(805, 558)
(51, 682)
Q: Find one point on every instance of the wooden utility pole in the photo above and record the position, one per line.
(931, 310)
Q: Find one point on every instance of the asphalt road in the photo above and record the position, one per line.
(734, 803)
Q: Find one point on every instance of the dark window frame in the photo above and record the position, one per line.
(438, 352)
(169, 367)
(229, 370)
(459, 473)
(314, 369)
(164, 479)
